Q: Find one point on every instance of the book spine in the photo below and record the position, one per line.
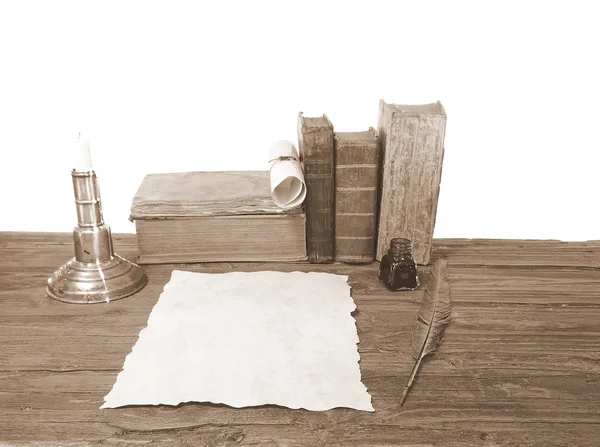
(356, 199)
(383, 127)
(315, 145)
(412, 169)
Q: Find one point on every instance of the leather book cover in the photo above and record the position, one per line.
(356, 162)
(315, 143)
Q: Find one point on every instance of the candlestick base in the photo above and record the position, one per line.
(101, 282)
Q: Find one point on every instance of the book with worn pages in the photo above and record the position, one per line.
(412, 151)
(214, 216)
(315, 144)
(356, 159)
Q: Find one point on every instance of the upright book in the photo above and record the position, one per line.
(356, 160)
(214, 216)
(315, 143)
(412, 152)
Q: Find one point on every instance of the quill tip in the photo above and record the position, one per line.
(403, 398)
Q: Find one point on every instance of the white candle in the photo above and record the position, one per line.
(83, 156)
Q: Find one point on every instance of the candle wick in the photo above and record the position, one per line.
(79, 135)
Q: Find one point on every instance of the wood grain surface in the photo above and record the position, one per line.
(520, 363)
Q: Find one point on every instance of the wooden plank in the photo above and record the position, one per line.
(372, 316)
(485, 337)
(491, 286)
(323, 434)
(425, 410)
(490, 252)
(502, 398)
(559, 353)
(23, 388)
(437, 426)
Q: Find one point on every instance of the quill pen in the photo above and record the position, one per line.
(432, 319)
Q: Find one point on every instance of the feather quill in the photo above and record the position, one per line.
(432, 319)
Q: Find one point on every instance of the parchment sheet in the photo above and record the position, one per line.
(288, 188)
(247, 339)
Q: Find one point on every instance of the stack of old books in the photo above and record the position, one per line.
(362, 189)
(214, 216)
(365, 188)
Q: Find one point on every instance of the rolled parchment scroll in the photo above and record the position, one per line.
(288, 188)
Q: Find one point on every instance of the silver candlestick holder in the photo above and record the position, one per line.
(96, 274)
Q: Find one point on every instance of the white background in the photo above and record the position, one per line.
(174, 86)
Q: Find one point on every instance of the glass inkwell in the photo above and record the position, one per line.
(398, 269)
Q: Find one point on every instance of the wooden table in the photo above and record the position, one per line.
(520, 364)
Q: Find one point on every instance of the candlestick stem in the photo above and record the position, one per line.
(96, 274)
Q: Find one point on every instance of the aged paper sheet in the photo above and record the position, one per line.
(247, 339)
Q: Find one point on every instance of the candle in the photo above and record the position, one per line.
(83, 156)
